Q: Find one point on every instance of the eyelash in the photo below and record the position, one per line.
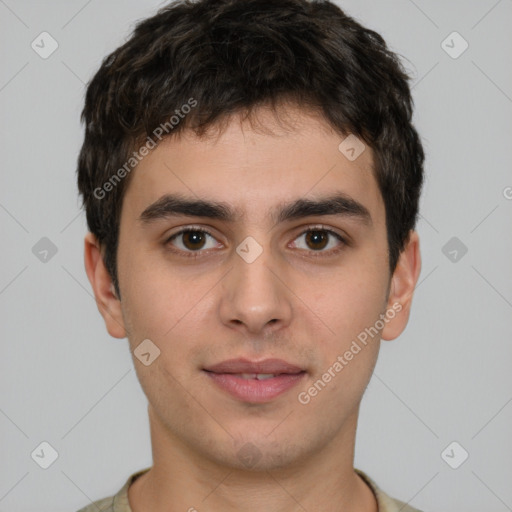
(314, 254)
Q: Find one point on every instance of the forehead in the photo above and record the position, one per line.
(255, 164)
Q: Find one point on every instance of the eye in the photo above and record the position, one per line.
(318, 238)
(192, 240)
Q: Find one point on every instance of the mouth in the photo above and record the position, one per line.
(255, 382)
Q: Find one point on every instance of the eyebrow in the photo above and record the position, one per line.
(172, 205)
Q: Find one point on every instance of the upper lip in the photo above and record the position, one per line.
(268, 366)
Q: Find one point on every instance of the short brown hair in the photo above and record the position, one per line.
(229, 56)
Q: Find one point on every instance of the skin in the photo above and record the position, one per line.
(287, 304)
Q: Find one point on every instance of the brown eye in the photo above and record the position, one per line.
(192, 240)
(317, 239)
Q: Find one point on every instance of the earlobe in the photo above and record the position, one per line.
(402, 288)
(108, 304)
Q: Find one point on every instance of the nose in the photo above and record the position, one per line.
(255, 296)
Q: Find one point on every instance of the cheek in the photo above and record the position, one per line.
(348, 304)
(349, 301)
(347, 354)
(172, 312)
(154, 298)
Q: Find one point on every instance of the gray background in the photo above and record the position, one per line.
(447, 378)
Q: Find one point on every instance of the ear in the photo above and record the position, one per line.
(403, 282)
(108, 304)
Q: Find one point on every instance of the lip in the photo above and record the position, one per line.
(226, 375)
(242, 365)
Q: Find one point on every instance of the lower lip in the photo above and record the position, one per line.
(253, 390)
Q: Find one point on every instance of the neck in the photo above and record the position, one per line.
(181, 479)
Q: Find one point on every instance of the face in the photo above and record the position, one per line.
(288, 262)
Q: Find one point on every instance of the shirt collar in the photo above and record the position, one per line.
(385, 503)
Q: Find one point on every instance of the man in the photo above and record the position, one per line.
(251, 180)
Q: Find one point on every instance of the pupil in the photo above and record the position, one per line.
(316, 237)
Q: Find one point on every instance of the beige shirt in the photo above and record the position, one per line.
(119, 502)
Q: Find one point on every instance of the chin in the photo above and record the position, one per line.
(259, 453)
